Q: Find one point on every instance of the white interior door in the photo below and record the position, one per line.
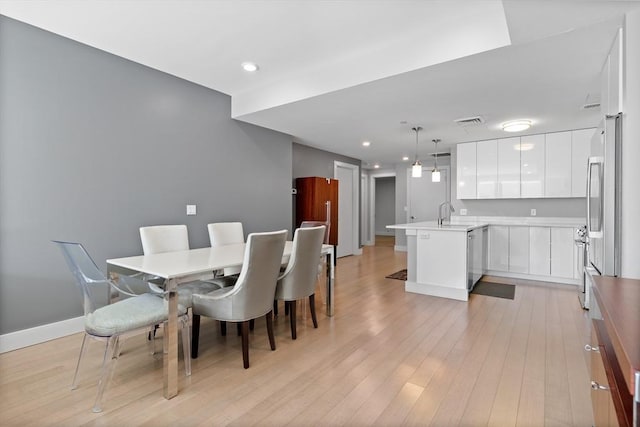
(425, 196)
(345, 211)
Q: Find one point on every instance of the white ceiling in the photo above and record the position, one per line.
(336, 73)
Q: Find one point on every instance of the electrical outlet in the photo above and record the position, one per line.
(533, 212)
(463, 211)
(191, 209)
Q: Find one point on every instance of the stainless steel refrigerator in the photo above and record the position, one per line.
(603, 203)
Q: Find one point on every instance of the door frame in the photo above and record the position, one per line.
(372, 204)
(355, 201)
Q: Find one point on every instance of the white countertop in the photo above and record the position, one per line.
(433, 225)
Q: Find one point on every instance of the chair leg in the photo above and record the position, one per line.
(195, 336)
(286, 308)
(272, 339)
(239, 327)
(223, 328)
(252, 324)
(275, 307)
(83, 351)
(245, 343)
(292, 319)
(186, 345)
(111, 354)
(312, 307)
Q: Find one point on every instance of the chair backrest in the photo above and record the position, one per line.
(226, 233)
(327, 230)
(254, 292)
(299, 278)
(85, 271)
(164, 238)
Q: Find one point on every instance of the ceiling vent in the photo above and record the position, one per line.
(470, 121)
(591, 105)
(441, 155)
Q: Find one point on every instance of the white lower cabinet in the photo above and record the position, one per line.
(540, 251)
(498, 248)
(534, 250)
(562, 262)
(519, 249)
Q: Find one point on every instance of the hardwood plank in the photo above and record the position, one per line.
(386, 358)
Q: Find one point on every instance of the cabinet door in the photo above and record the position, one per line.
(509, 168)
(562, 263)
(540, 250)
(558, 165)
(499, 248)
(580, 145)
(532, 150)
(519, 249)
(487, 169)
(466, 170)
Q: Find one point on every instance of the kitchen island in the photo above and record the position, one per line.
(444, 260)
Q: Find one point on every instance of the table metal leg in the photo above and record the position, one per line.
(170, 360)
(330, 282)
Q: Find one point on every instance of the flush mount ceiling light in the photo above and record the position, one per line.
(250, 67)
(416, 168)
(435, 173)
(366, 143)
(516, 125)
(405, 158)
(376, 166)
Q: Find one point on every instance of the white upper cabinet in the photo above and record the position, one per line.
(466, 170)
(611, 83)
(558, 165)
(487, 169)
(532, 154)
(580, 144)
(508, 168)
(532, 166)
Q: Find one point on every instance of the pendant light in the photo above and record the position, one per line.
(416, 168)
(435, 173)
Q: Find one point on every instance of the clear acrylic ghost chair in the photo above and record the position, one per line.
(134, 314)
(172, 238)
(299, 279)
(226, 233)
(252, 295)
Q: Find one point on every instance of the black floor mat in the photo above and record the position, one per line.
(398, 275)
(499, 290)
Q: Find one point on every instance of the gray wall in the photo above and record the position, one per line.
(93, 146)
(385, 213)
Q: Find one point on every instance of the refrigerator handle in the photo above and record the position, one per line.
(328, 214)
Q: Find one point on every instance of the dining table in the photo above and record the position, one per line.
(180, 267)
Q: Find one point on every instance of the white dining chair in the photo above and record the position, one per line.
(172, 238)
(251, 296)
(299, 278)
(226, 233)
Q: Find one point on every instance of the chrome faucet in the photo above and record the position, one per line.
(448, 214)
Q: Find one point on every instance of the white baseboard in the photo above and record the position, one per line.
(437, 290)
(400, 248)
(40, 334)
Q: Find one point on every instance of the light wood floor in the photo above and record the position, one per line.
(386, 358)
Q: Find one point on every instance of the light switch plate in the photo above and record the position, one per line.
(533, 212)
(191, 209)
(463, 211)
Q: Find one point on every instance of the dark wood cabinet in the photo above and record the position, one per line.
(315, 198)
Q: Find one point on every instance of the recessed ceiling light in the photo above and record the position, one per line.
(376, 166)
(405, 158)
(516, 125)
(250, 66)
(366, 143)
